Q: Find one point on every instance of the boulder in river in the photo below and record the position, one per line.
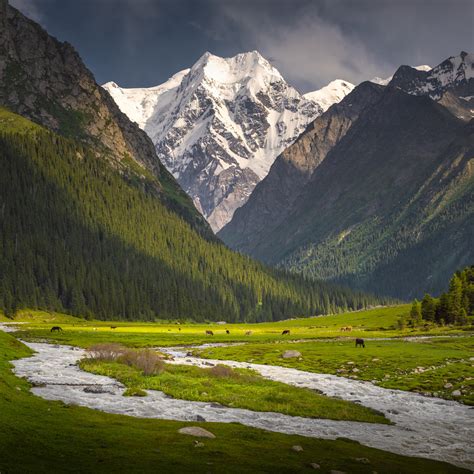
(196, 431)
(96, 389)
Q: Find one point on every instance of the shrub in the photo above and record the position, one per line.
(146, 360)
(222, 371)
(108, 351)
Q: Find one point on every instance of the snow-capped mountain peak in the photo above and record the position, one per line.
(334, 92)
(454, 72)
(219, 125)
(241, 68)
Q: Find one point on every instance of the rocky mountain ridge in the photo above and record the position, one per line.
(46, 81)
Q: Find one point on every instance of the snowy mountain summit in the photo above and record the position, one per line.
(219, 126)
(331, 94)
(451, 83)
(454, 71)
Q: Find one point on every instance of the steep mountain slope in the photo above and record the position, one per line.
(272, 201)
(90, 231)
(46, 81)
(389, 206)
(219, 126)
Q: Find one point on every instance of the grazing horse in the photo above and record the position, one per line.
(113, 327)
(227, 331)
(248, 333)
(56, 328)
(209, 333)
(360, 342)
(286, 331)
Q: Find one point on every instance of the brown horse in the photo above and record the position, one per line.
(286, 331)
(56, 329)
(209, 333)
(227, 331)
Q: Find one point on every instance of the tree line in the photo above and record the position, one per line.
(452, 307)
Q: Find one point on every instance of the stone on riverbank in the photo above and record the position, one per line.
(196, 431)
(290, 354)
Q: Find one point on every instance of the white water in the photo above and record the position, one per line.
(425, 427)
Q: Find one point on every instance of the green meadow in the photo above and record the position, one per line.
(39, 436)
(42, 436)
(375, 323)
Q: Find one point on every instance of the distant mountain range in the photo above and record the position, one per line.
(378, 192)
(219, 126)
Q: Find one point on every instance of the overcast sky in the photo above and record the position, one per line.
(140, 43)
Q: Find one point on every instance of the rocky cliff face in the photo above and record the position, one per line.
(273, 199)
(46, 81)
(387, 206)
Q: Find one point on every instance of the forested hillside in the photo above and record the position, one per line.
(78, 235)
(46, 81)
(378, 194)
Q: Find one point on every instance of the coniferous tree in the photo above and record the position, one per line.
(428, 308)
(415, 313)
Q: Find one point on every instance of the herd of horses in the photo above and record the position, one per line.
(358, 342)
(286, 332)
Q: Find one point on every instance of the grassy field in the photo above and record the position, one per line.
(234, 388)
(38, 436)
(380, 322)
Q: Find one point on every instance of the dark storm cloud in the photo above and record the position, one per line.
(143, 42)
